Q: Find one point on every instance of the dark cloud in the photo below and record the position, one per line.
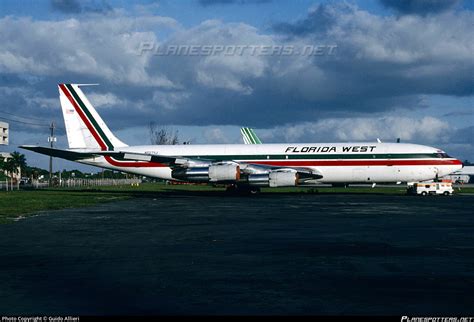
(317, 21)
(420, 7)
(463, 136)
(458, 142)
(66, 6)
(225, 2)
(75, 6)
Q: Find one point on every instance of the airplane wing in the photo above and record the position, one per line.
(177, 162)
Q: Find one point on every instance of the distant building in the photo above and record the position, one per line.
(3, 133)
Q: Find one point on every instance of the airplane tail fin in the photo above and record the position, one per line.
(84, 127)
(249, 136)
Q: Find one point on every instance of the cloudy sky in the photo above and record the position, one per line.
(296, 71)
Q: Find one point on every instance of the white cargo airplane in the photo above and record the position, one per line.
(248, 166)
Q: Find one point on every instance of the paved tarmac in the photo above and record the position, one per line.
(268, 254)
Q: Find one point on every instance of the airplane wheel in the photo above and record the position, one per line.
(246, 190)
(231, 188)
(243, 190)
(254, 191)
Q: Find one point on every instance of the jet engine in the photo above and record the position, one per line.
(215, 172)
(276, 178)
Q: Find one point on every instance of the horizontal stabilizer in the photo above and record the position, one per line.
(58, 153)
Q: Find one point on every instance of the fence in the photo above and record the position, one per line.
(72, 183)
(98, 182)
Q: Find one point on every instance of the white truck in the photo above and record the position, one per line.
(444, 187)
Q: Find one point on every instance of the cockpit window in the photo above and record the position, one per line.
(443, 155)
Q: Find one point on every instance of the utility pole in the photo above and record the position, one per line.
(51, 140)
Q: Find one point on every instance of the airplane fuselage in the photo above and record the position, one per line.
(337, 162)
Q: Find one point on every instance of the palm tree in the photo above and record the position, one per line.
(14, 165)
(19, 160)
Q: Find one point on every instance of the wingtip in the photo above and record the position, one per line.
(27, 147)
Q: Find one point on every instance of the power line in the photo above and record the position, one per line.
(36, 124)
(25, 117)
(11, 120)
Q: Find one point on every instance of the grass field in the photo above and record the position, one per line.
(20, 203)
(14, 204)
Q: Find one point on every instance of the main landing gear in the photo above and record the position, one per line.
(242, 189)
